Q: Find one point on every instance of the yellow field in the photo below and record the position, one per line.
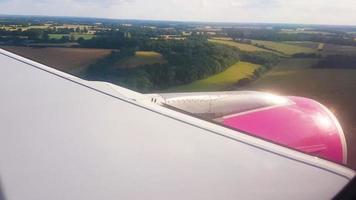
(141, 58)
(221, 81)
(241, 46)
(148, 54)
(285, 48)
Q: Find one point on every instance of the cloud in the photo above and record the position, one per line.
(280, 11)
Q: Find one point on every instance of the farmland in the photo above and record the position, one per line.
(285, 48)
(332, 87)
(13, 28)
(141, 58)
(241, 46)
(70, 60)
(43, 26)
(221, 81)
(328, 49)
(331, 49)
(281, 48)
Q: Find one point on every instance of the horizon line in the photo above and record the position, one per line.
(181, 21)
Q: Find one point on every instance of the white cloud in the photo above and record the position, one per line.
(280, 11)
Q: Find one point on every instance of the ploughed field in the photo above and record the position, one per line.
(334, 88)
(70, 60)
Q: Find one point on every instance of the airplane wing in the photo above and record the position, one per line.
(62, 137)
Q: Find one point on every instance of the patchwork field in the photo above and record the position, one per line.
(141, 58)
(288, 49)
(241, 46)
(70, 60)
(332, 87)
(221, 81)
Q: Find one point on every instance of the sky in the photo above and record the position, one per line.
(336, 12)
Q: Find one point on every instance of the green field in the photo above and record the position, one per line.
(241, 46)
(141, 58)
(221, 81)
(76, 36)
(288, 49)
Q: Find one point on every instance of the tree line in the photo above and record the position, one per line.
(187, 61)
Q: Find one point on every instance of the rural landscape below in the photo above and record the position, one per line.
(313, 61)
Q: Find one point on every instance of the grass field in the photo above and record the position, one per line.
(285, 48)
(70, 60)
(307, 44)
(76, 36)
(241, 46)
(141, 58)
(221, 81)
(332, 87)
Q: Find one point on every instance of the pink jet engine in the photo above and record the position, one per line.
(299, 123)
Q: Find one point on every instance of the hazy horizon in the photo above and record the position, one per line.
(318, 12)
